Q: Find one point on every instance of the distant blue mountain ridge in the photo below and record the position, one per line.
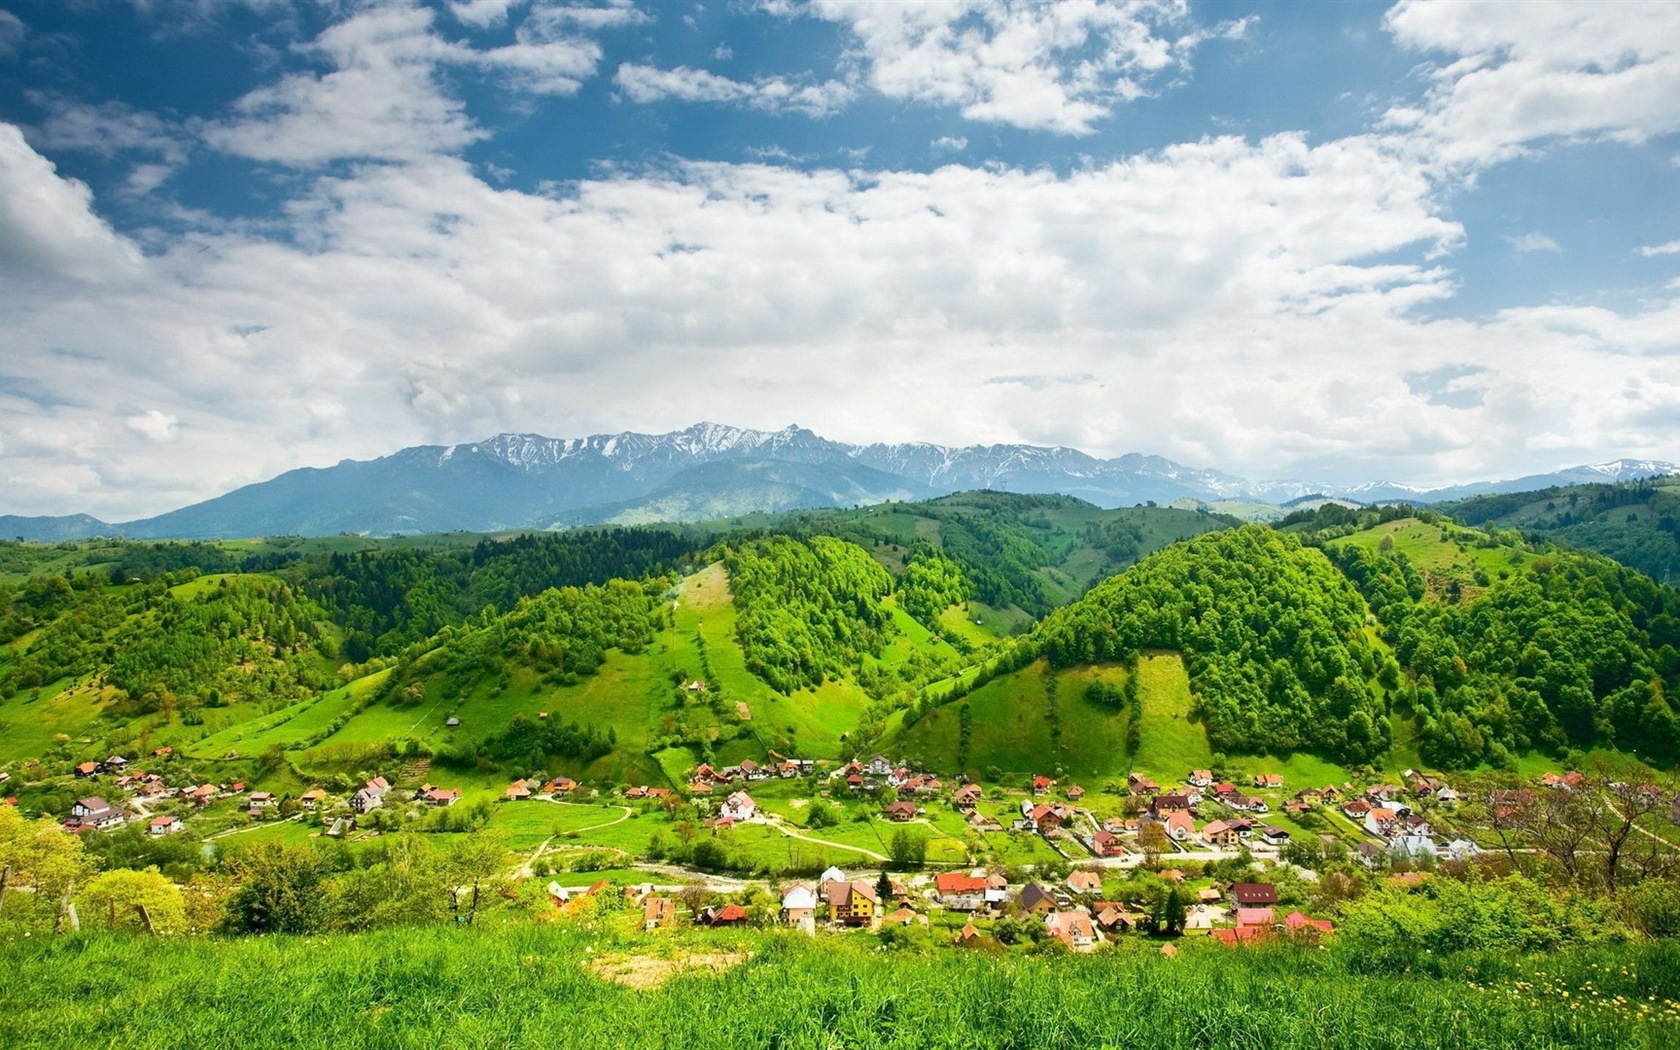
(514, 481)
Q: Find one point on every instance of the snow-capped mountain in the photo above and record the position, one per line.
(707, 471)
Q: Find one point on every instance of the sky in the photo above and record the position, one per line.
(1420, 242)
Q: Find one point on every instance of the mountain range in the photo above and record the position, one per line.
(515, 481)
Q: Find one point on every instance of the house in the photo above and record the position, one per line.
(853, 903)
(366, 800)
(164, 825)
(1300, 923)
(1139, 784)
(1043, 817)
(1274, 835)
(312, 798)
(88, 769)
(1075, 793)
(452, 722)
(903, 916)
(1271, 781)
(1242, 935)
(202, 795)
(1381, 822)
(970, 934)
(658, 912)
(728, 915)
(561, 786)
(1180, 826)
(799, 904)
(1357, 809)
(379, 784)
(966, 798)
(518, 791)
(1255, 917)
(1041, 784)
(262, 799)
(1253, 894)
(1036, 900)
(436, 796)
(901, 810)
(1074, 929)
(1208, 895)
(879, 767)
(1200, 778)
(1107, 844)
(115, 764)
(960, 892)
(94, 812)
(1221, 833)
(162, 752)
(1084, 882)
(1114, 917)
(739, 807)
(1170, 803)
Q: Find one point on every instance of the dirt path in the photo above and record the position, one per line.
(790, 833)
(626, 815)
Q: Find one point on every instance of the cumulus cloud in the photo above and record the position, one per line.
(775, 94)
(1060, 66)
(384, 97)
(1520, 74)
(48, 231)
(1651, 250)
(481, 13)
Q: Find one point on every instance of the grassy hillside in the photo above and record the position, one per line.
(551, 988)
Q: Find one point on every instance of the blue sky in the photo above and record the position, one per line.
(1420, 242)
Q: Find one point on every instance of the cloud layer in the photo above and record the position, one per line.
(1268, 305)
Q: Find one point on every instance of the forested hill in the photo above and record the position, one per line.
(1271, 632)
(1362, 637)
(1635, 522)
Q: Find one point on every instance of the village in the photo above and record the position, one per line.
(1034, 858)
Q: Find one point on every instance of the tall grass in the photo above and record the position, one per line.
(528, 987)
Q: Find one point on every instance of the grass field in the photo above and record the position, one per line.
(538, 987)
(1444, 554)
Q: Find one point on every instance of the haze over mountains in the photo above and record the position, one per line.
(706, 471)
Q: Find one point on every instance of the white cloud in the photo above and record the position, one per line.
(1060, 66)
(1650, 250)
(384, 97)
(111, 129)
(381, 100)
(153, 425)
(1533, 242)
(1525, 73)
(949, 143)
(48, 231)
(481, 13)
(775, 94)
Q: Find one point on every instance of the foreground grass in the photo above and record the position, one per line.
(530, 987)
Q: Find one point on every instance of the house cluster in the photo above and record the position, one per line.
(370, 796)
(437, 796)
(879, 772)
(705, 779)
(838, 901)
(116, 764)
(1255, 910)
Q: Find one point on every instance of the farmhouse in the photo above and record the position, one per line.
(852, 903)
(739, 806)
(799, 904)
(163, 825)
(901, 810)
(1253, 894)
(658, 912)
(93, 812)
(1074, 929)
